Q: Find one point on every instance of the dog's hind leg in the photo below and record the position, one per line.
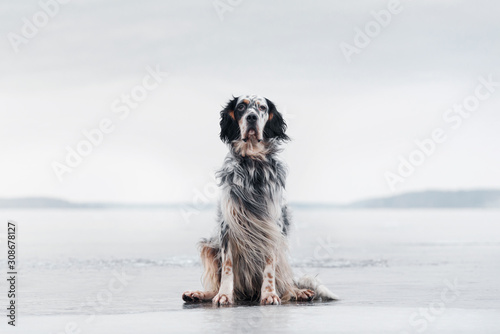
(198, 296)
(211, 274)
(308, 282)
(304, 294)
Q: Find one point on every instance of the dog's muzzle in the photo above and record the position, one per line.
(251, 120)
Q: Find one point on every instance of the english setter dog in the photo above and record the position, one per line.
(246, 259)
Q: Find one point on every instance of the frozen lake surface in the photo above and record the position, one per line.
(123, 271)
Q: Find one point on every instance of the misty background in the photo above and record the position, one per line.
(349, 121)
(353, 117)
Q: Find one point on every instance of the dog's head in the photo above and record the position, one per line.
(251, 118)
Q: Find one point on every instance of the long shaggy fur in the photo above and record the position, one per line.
(253, 219)
(252, 224)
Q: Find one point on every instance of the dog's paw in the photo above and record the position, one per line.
(223, 299)
(193, 296)
(305, 295)
(270, 298)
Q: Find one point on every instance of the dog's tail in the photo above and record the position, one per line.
(313, 283)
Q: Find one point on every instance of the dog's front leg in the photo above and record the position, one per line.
(225, 294)
(268, 295)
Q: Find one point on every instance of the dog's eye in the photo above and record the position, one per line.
(241, 107)
(263, 108)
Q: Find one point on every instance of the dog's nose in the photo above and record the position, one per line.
(252, 118)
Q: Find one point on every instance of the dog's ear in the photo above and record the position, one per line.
(275, 126)
(229, 129)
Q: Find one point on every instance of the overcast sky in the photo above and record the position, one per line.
(349, 120)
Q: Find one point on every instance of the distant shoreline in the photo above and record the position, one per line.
(432, 199)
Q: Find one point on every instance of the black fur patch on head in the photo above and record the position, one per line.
(229, 129)
(275, 126)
